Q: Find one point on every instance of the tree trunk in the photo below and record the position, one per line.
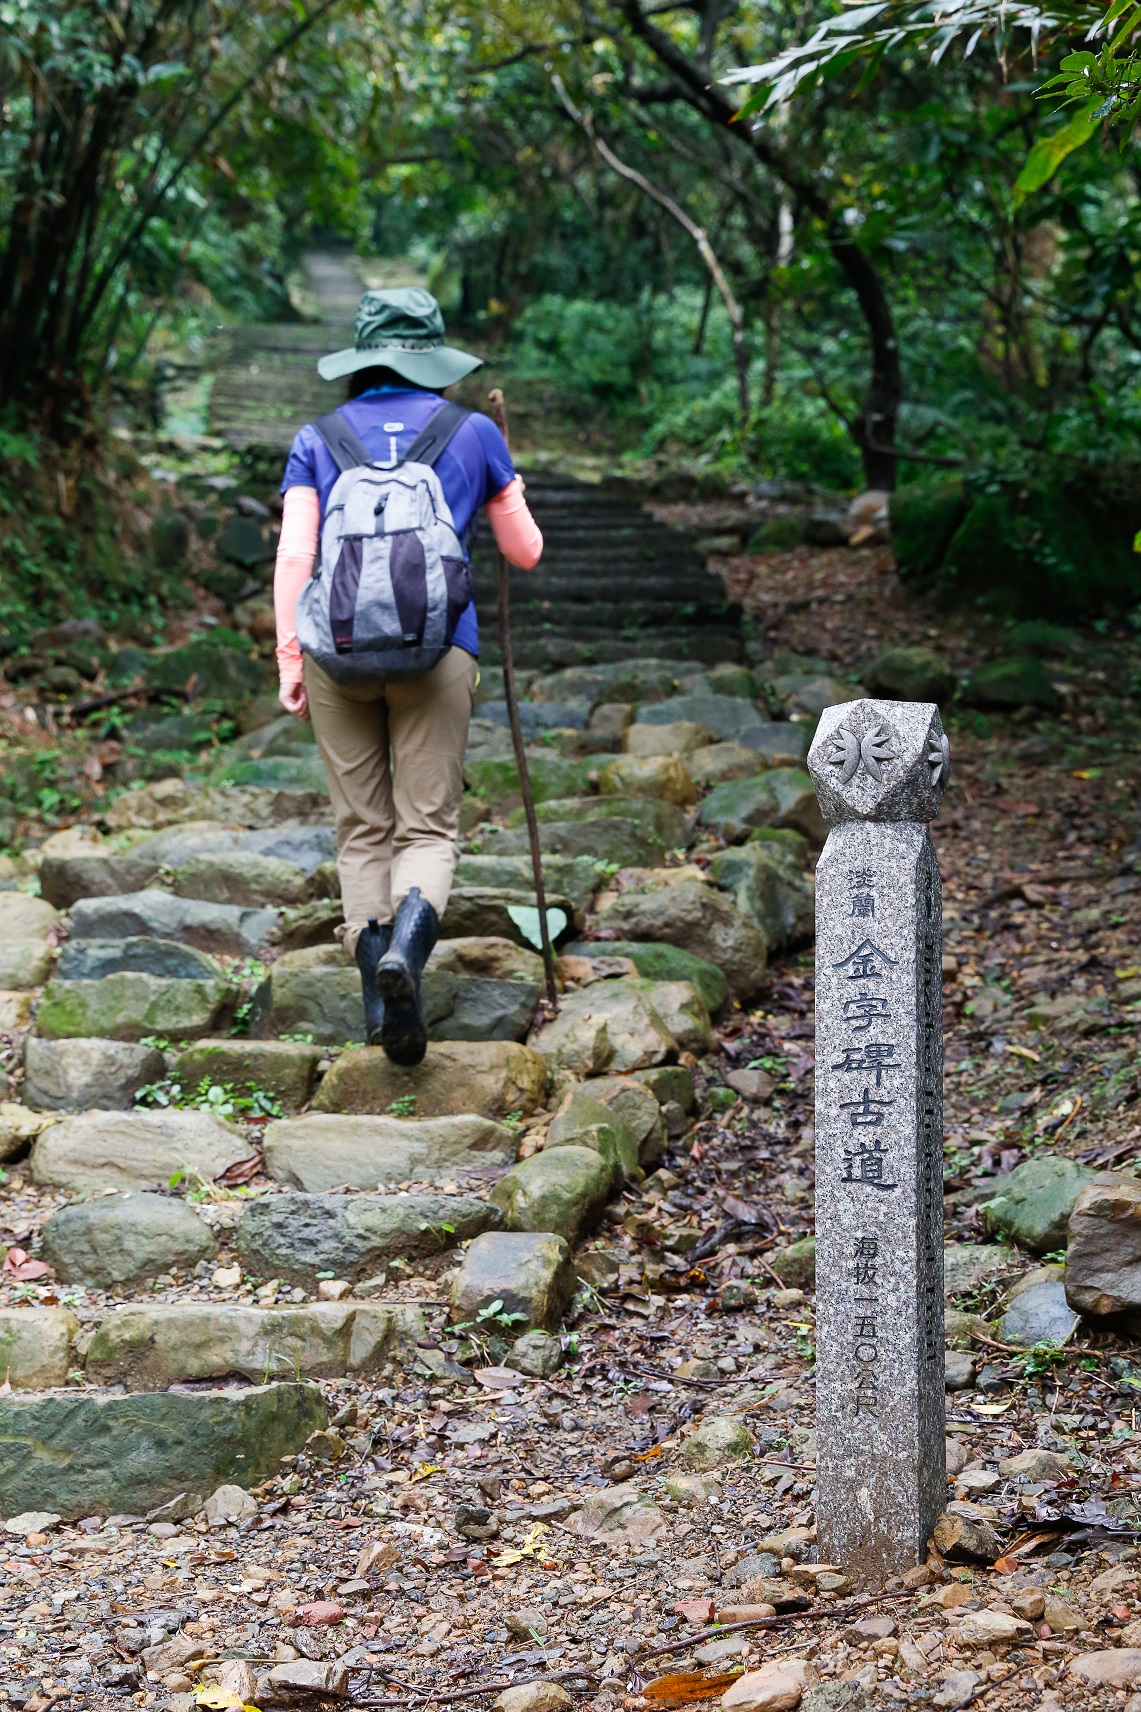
(874, 430)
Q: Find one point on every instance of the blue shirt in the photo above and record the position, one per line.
(473, 468)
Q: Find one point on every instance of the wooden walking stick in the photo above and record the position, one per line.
(499, 412)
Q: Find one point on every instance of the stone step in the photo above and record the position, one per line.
(323, 1150)
(493, 1078)
(147, 1347)
(318, 992)
(226, 929)
(91, 1452)
(135, 1007)
(135, 1150)
(297, 1237)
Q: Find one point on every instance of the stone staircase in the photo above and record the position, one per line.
(613, 582)
(233, 1200)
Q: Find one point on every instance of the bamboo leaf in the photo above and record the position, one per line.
(1049, 152)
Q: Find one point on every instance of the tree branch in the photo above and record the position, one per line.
(696, 232)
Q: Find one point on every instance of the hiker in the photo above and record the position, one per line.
(377, 636)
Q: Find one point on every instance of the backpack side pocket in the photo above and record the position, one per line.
(343, 590)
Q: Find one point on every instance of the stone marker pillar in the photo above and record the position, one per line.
(879, 768)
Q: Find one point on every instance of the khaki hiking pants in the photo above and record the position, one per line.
(393, 756)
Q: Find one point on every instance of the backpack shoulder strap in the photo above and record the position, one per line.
(349, 453)
(435, 435)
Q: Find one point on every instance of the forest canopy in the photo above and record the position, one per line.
(794, 251)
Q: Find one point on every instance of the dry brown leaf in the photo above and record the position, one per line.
(686, 1688)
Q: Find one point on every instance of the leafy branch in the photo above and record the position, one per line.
(1105, 85)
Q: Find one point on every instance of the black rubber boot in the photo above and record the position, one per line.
(403, 1034)
(371, 947)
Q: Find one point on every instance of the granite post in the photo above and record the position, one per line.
(879, 768)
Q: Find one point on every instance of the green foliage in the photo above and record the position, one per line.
(220, 1099)
(1046, 540)
(72, 540)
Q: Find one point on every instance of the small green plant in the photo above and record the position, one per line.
(496, 1311)
(440, 1232)
(221, 1099)
(513, 1120)
(403, 1106)
(1041, 1362)
(298, 1037)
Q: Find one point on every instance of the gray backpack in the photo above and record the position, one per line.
(391, 578)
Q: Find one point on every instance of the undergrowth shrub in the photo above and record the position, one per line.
(75, 536)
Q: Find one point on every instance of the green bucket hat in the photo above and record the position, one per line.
(403, 330)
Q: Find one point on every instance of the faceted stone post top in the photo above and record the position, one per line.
(879, 760)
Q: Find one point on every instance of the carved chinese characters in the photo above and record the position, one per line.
(879, 768)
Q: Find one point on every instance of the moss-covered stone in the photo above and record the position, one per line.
(95, 1453)
(783, 796)
(560, 1191)
(777, 535)
(669, 1084)
(795, 1265)
(1010, 683)
(552, 776)
(584, 1122)
(769, 891)
(1033, 1203)
(220, 667)
(910, 674)
(133, 1006)
(661, 963)
(656, 819)
(697, 918)
(493, 1078)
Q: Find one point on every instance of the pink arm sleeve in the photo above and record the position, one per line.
(296, 551)
(516, 533)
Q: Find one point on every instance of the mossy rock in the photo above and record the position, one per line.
(1047, 543)
(170, 540)
(552, 776)
(777, 535)
(656, 962)
(911, 674)
(1010, 683)
(219, 667)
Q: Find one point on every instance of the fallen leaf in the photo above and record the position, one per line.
(685, 1688)
(529, 1548)
(219, 1699)
(17, 1265)
(242, 1171)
